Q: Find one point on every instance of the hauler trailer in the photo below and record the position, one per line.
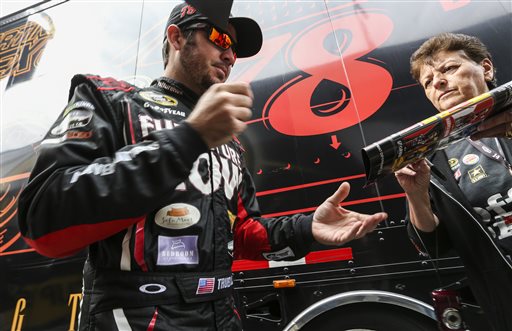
(331, 78)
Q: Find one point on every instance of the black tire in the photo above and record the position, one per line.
(371, 317)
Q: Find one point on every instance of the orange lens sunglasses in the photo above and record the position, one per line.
(216, 37)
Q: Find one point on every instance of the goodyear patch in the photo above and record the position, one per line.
(159, 98)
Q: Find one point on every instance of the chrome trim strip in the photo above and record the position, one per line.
(359, 297)
(39, 7)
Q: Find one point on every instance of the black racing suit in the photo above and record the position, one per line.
(121, 173)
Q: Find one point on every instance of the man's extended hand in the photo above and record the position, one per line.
(334, 225)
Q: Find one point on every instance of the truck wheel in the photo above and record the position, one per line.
(371, 317)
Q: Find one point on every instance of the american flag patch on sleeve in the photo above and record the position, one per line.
(205, 285)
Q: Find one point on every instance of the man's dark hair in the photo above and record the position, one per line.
(472, 47)
(188, 33)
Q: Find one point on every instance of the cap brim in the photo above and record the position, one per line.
(248, 35)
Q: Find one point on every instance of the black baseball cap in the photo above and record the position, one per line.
(248, 32)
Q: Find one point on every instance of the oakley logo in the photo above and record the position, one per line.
(152, 288)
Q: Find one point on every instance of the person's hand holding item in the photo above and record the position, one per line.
(221, 112)
(415, 180)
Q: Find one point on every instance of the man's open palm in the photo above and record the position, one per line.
(334, 225)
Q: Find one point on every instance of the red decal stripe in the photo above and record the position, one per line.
(71, 240)
(132, 134)
(340, 254)
(151, 325)
(330, 255)
(10, 242)
(298, 187)
(343, 204)
(139, 245)
(236, 313)
(13, 178)
(21, 251)
(242, 265)
(9, 217)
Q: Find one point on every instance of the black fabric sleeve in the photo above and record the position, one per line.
(433, 244)
(89, 185)
(279, 238)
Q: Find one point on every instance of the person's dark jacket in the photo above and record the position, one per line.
(489, 271)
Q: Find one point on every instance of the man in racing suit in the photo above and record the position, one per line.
(152, 181)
